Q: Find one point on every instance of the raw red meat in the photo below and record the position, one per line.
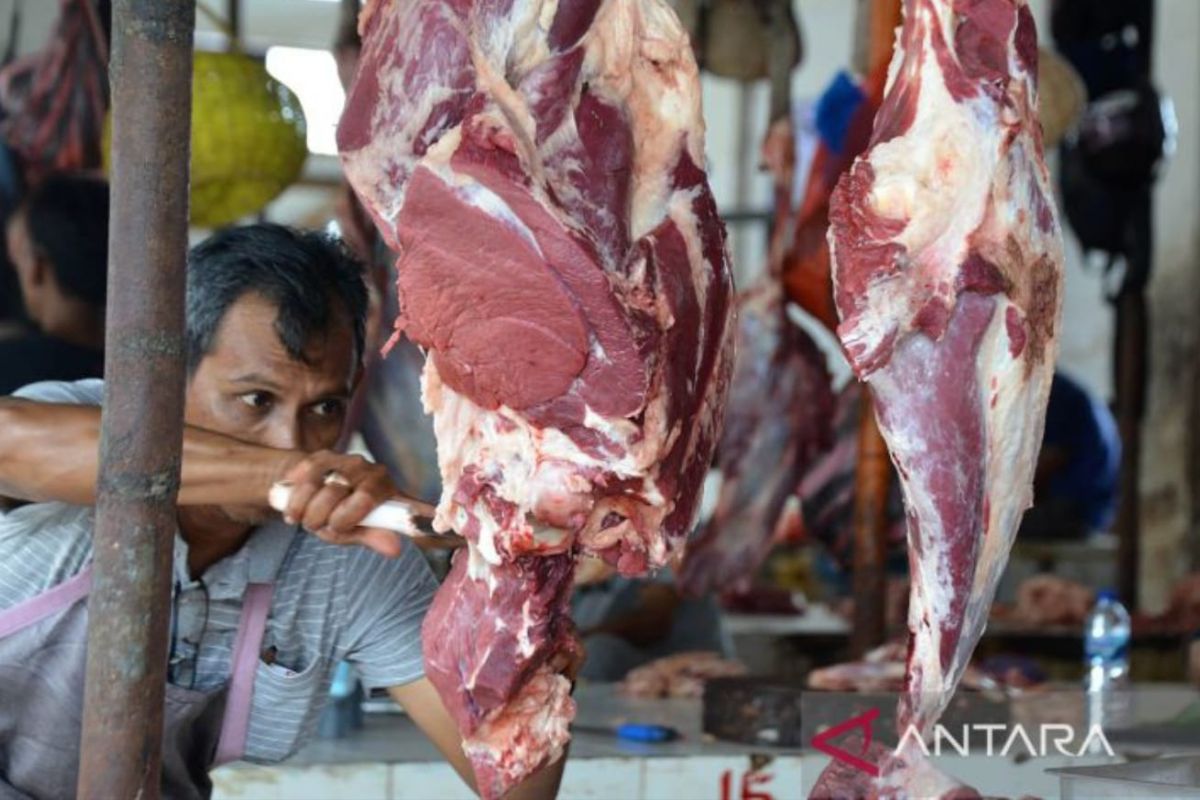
(883, 670)
(845, 781)
(537, 166)
(948, 270)
(679, 675)
(779, 419)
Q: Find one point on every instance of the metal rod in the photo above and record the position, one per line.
(1131, 367)
(140, 445)
(234, 15)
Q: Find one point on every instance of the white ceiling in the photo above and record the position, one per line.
(297, 23)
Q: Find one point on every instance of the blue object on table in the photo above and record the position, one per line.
(634, 732)
(637, 732)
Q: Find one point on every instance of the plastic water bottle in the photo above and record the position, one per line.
(1106, 644)
(1106, 660)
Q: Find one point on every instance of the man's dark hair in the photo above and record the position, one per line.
(309, 277)
(67, 220)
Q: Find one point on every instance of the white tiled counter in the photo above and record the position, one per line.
(391, 760)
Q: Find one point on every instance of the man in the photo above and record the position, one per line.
(58, 245)
(11, 312)
(627, 622)
(274, 348)
(1075, 485)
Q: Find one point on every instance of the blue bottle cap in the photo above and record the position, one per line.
(1106, 596)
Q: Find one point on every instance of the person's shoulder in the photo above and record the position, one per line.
(36, 357)
(47, 520)
(86, 392)
(361, 564)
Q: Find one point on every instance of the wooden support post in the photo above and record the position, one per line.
(872, 479)
(129, 608)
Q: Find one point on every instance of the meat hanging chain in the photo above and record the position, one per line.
(537, 166)
(948, 272)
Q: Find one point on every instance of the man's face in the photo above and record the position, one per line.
(249, 386)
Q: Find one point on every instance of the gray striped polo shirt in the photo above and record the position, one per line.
(331, 604)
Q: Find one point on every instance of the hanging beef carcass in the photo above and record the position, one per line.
(537, 166)
(948, 268)
(779, 420)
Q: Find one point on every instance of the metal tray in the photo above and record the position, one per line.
(1177, 777)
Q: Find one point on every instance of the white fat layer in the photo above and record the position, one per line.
(943, 176)
(918, 779)
(639, 53)
(684, 217)
(529, 466)
(524, 643)
(493, 205)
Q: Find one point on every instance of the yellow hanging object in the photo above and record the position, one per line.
(249, 138)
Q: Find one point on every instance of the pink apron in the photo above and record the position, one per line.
(43, 646)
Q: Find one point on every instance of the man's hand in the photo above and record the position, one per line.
(332, 493)
(568, 662)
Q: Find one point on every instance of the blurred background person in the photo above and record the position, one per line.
(57, 242)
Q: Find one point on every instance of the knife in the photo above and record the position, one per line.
(392, 515)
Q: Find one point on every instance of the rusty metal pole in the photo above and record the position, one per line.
(129, 608)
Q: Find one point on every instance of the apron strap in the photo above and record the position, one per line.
(36, 609)
(246, 655)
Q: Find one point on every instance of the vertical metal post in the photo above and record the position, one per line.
(151, 78)
(1131, 351)
(234, 16)
(1131, 342)
(1131, 369)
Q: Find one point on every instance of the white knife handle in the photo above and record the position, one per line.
(392, 515)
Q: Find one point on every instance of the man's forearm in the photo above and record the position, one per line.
(51, 452)
(543, 784)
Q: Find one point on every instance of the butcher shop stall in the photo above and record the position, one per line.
(749, 399)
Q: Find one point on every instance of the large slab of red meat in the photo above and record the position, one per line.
(778, 421)
(538, 166)
(948, 268)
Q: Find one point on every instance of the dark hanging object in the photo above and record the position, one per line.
(1111, 163)
(1108, 41)
(54, 101)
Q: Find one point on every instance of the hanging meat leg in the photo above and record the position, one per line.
(948, 270)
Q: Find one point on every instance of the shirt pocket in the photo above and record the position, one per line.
(285, 708)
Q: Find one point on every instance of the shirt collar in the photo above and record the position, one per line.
(257, 561)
